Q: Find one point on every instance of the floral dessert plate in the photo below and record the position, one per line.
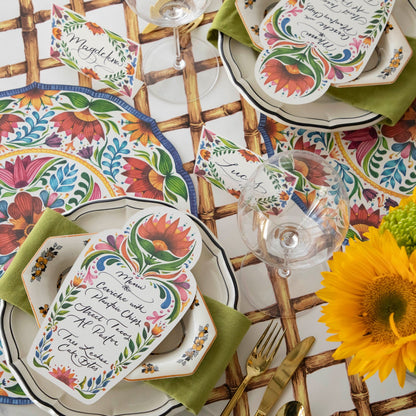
(178, 355)
(214, 277)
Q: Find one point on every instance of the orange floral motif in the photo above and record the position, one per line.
(248, 155)
(143, 179)
(35, 97)
(205, 154)
(64, 375)
(139, 129)
(90, 73)
(287, 77)
(130, 69)
(174, 237)
(95, 29)
(57, 33)
(81, 124)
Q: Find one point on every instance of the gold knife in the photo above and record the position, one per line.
(283, 374)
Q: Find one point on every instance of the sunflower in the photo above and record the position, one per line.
(371, 306)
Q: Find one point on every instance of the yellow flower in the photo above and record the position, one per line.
(371, 309)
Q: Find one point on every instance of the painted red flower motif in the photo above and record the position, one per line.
(361, 218)
(311, 170)
(248, 155)
(94, 28)
(404, 133)
(287, 77)
(166, 236)
(362, 140)
(90, 73)
(143, 179)
(24, 212)
(81, 124)
(8, 122)
(22, 172)
(64, 375)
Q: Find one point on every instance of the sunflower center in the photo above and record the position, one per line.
(160, 245)
(385, 296)
(156, 180)
(292, 69)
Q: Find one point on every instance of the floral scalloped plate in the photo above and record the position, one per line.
(179, 355)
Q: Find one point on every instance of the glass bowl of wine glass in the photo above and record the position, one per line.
(167, 54)
(293, 213)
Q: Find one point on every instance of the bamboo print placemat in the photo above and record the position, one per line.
(232, 115)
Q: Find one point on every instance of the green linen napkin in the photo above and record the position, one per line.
(390, 100)
(192, 391)
(51, 223)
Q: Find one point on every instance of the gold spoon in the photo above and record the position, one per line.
(293, 408)
(182, 29)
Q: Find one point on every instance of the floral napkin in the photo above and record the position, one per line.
(391, 100)
(192, 391)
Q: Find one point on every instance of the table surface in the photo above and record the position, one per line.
(321, 382)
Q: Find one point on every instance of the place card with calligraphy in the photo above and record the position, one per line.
(223, 163)
(311, 44)
(125, 293)
(94, 51)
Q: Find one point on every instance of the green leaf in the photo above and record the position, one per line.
(4, 104)
(16, 389)
(131, 345)
(103, 106)
(69, 63)
(177, 186)
(75, 16)
(165, 164)
(77, 100)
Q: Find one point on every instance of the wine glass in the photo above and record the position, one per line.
(165, 55)
(293, 213)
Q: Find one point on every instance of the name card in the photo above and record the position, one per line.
(311, 44)
(94, 51)
(125, 293)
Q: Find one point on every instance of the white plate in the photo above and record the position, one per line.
(179, 355)
(325, 114)
(390, 57)
(215, 278)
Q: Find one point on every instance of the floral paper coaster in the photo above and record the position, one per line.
(311, 44)
(124, 294)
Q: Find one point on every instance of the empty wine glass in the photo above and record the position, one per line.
(174, 13)
(293, 212)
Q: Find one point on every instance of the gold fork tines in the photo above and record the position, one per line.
(258, 361)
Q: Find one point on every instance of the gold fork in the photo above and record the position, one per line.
(257, 362)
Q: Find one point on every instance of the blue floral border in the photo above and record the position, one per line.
(155, 129)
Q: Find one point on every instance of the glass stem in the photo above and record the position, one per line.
(179, 62)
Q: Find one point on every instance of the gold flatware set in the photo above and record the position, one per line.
(259, 361)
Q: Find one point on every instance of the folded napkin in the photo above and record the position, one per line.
(51, 223)
(390, 100)
(192, 391)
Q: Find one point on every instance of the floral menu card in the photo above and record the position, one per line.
(124, 294)
(311, 44)
(94, 51)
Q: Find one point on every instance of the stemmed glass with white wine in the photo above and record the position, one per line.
(167, 54)
(293, 213)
